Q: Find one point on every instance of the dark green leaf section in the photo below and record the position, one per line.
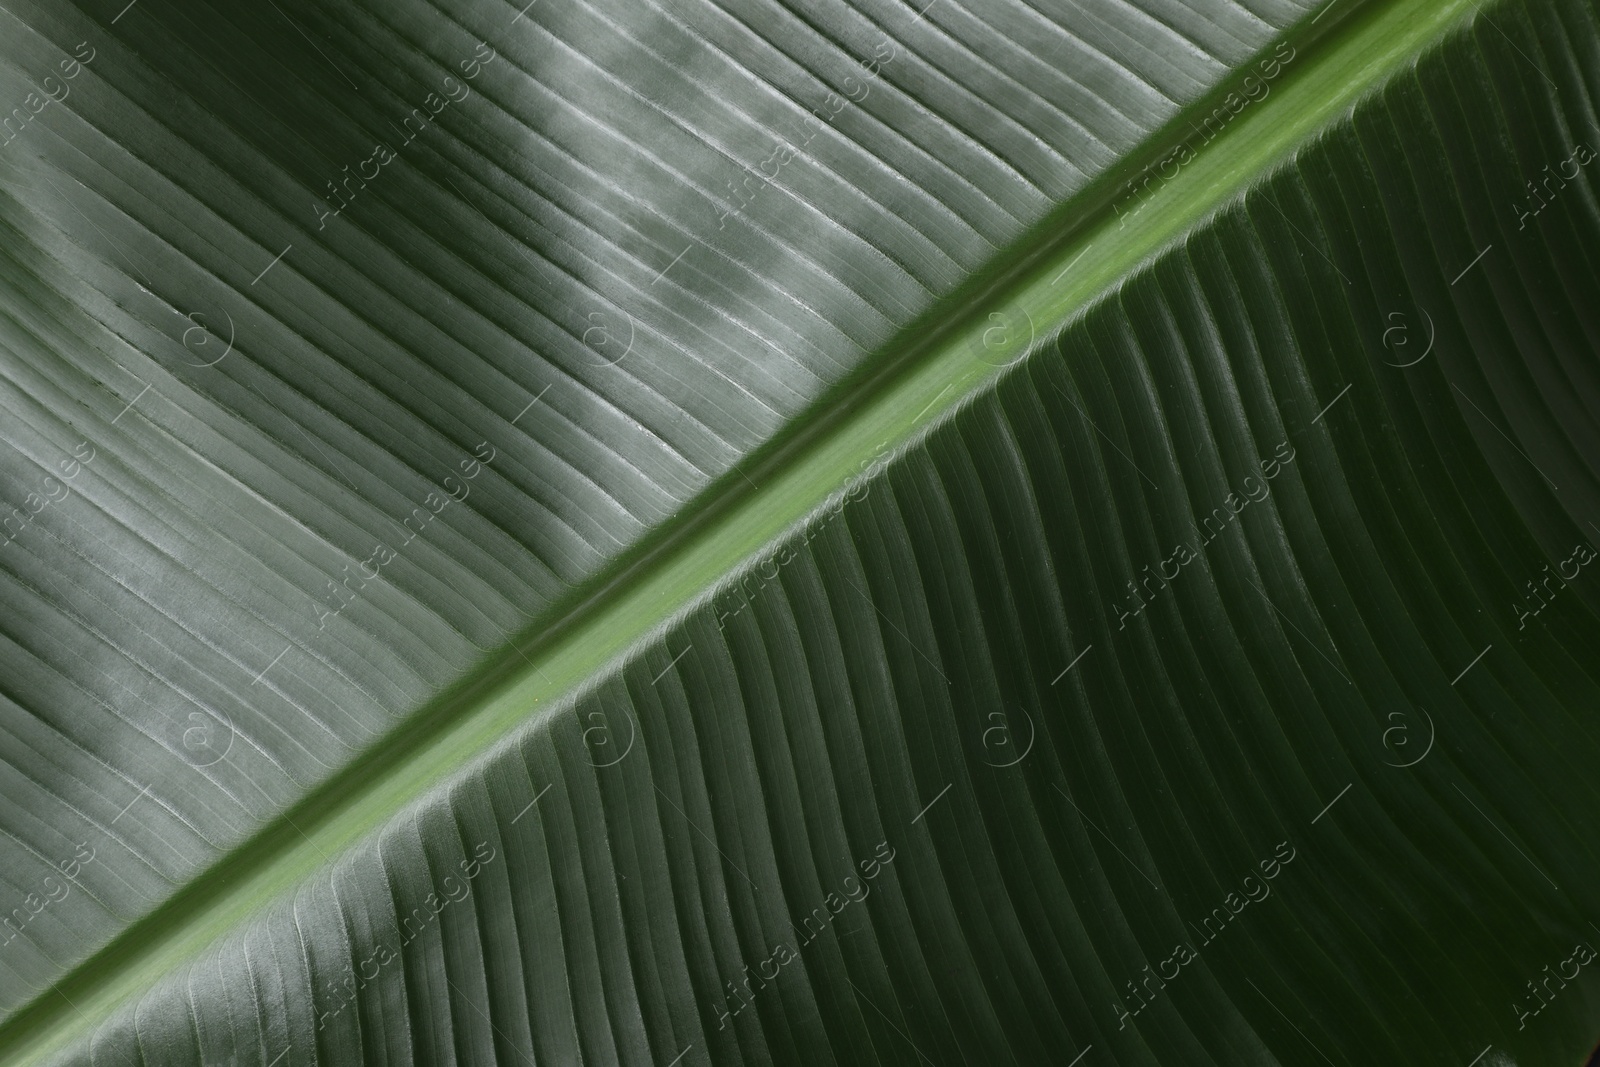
(374, 334)
(1192, 678)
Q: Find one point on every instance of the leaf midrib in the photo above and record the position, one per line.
(897, 396)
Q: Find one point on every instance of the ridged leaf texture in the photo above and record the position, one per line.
(1022, 533)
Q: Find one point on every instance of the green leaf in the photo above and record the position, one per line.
(1088, 564)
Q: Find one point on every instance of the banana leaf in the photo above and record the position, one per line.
(1047, 532)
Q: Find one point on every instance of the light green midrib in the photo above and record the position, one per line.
(1359, 56)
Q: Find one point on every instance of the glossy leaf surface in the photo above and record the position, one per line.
(1086, 553)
